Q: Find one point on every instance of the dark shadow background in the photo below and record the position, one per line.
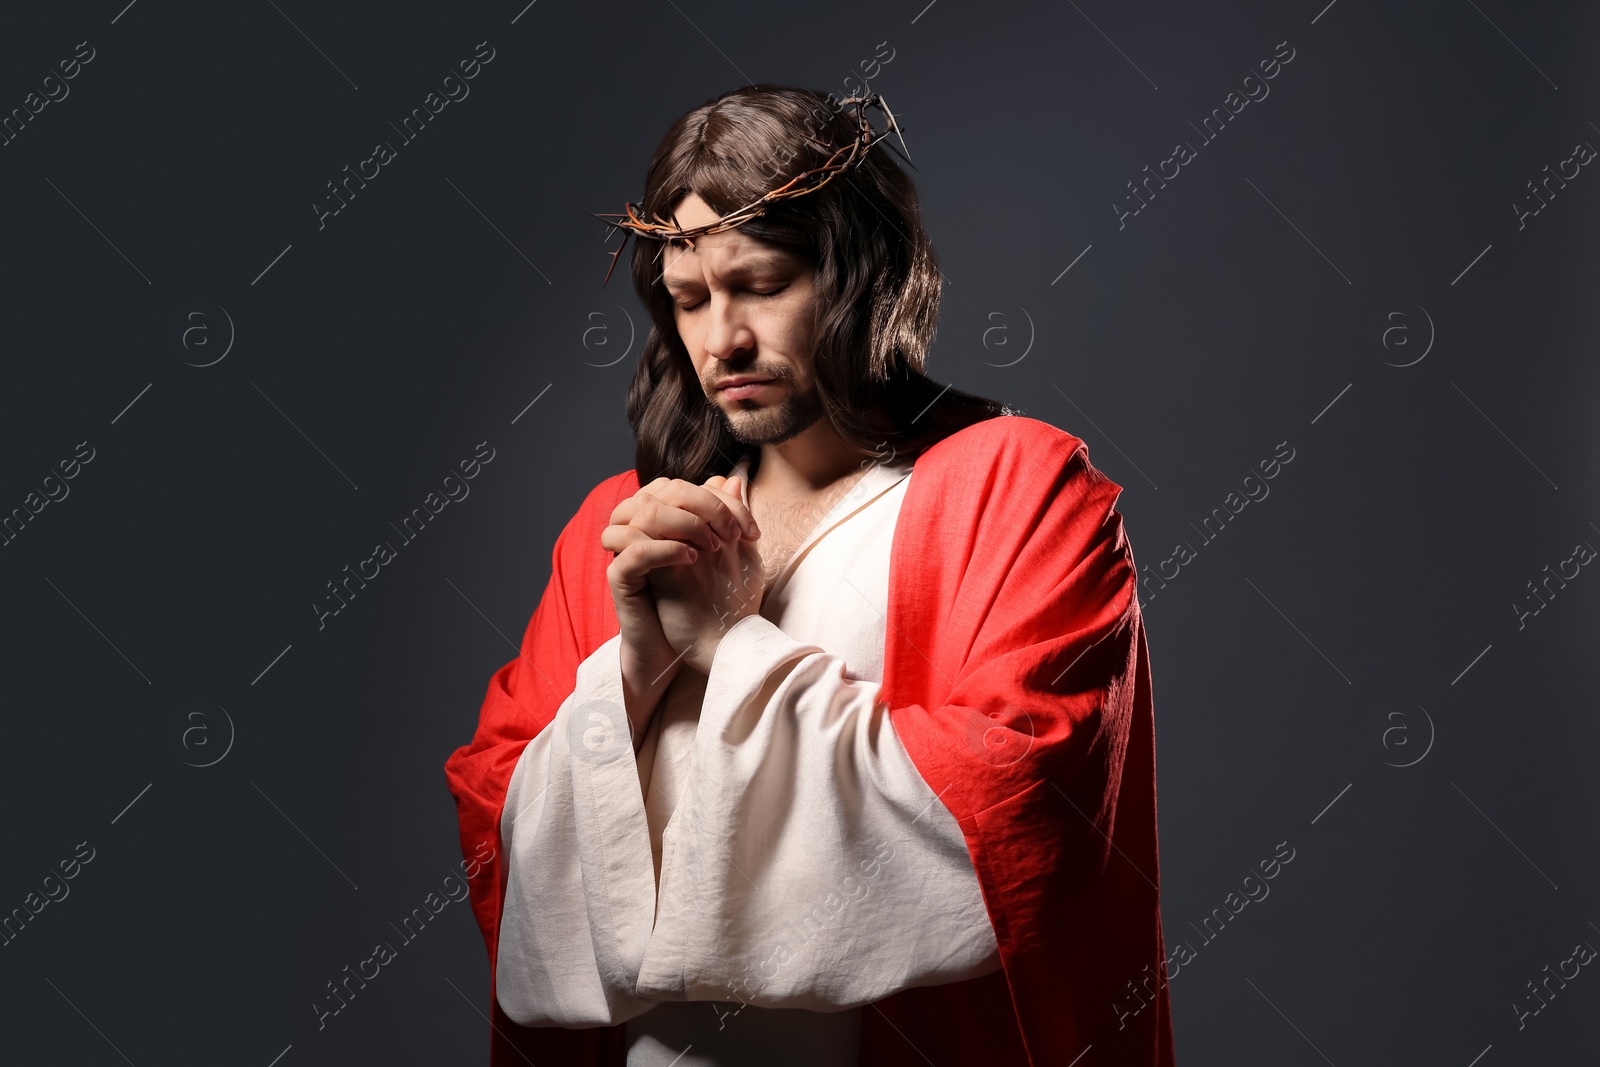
(1361, 616)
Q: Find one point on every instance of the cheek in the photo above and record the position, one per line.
(792, 322)
(699, 363)
(688, 333)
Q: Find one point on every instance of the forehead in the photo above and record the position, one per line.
(730, 252)
(727, 253)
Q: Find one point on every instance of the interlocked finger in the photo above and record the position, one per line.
(675, 509)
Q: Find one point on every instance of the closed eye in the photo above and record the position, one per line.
(753, 292)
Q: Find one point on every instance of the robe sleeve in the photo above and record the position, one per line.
(573, 618)
(580, 893)
(807, 864)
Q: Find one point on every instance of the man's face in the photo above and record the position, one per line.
(743, 310)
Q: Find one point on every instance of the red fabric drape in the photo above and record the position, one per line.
(1018, 680)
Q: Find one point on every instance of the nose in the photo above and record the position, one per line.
(728, 335)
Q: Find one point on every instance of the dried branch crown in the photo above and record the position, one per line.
(843, 158)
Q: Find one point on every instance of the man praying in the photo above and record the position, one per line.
(831, 738)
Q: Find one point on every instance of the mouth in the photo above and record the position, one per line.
(744, 389)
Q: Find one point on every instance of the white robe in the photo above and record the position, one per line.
(770, 862)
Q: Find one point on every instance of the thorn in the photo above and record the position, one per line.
(890, 145)
(614, 257)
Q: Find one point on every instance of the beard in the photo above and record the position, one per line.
(753, 422)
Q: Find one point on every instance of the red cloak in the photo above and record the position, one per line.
(1018, 680)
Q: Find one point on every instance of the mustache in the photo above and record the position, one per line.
(775, 373)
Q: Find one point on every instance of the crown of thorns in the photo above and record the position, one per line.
(842, 158)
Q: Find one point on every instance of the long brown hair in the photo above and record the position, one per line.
(876, 278)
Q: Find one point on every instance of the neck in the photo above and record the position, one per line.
(804, 465)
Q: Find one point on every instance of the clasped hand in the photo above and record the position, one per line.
(685, 570)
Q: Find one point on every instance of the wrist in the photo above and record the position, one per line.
(700, 656)
(707, 653)
(704, 652)
(643, 685)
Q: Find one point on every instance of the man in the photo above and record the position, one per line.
(890, 791)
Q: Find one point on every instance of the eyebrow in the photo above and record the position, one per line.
(747, 265)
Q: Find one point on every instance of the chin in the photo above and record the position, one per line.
(769, 426)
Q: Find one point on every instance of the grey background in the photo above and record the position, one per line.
(1334, 629)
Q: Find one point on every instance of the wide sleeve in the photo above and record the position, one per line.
(807, 864)
(580, 892)
(865, 887)
(573, 619)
